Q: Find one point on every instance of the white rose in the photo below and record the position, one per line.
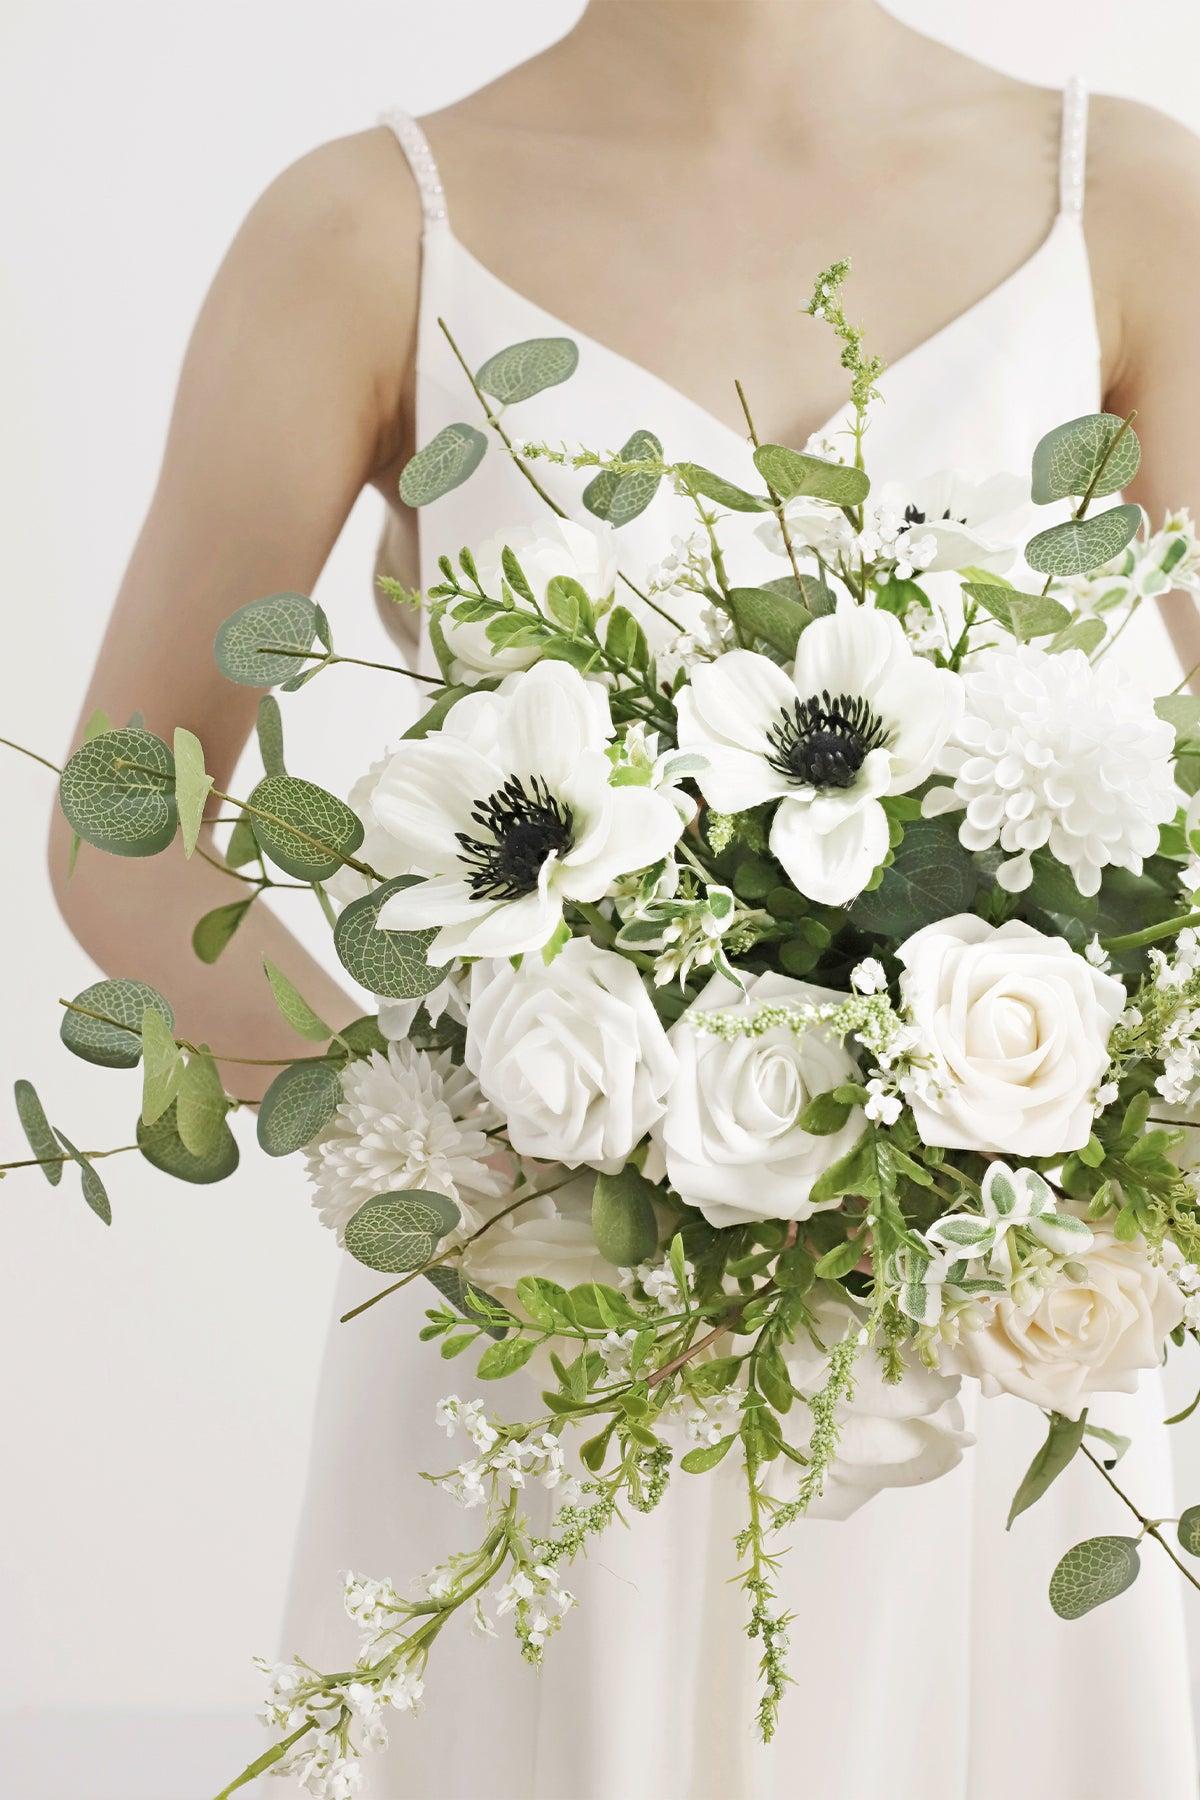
(587, 553)
(572, 1054)
(1018, 1027)
(729, 1136)
(1079, 1337)
(550, 1237)
(892, 1434)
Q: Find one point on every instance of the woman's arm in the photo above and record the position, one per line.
(293, 394)
(1143, 218)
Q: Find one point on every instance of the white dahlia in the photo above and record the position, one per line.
(1053, 752)
(407, 1120)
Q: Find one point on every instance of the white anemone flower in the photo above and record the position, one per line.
(509, 811)
(972, 524)
(857, 718)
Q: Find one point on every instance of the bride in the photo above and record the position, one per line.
(661, 186)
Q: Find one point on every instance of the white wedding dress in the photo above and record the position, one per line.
(927, 1662)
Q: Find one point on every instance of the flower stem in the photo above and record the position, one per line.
(776, 501)
(32, 754)
(329, 657)
(1150, 934)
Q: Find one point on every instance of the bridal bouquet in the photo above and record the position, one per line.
(786, 991)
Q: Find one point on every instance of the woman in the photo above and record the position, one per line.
(665, 182)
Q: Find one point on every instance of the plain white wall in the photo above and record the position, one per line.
(159, 1376)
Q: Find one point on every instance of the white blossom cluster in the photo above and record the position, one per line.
(505, 1461)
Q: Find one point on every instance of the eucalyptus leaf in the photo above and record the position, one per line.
(200, 1105)
(299, 1104)
(118, 793)
(242, 847)
(162, 1066)
(702, 481)
(93, 1188)
(269, 726)
(1078, 546)
(193, 784)
(39, 1134)
(522, 370)
(1063, 1439)
(1188, 1530)
(778, 621)
(112, 1038)
(294, 1007)
(931, 877)
(396, 1233)
(1182, 712)
(391, 964)
(213, 931)
(1027, 616)
(286, 620)
(624, 1224)
(1092, 1572)
(1069, 458)
(306, 831)
(619, 498)
(444, 464)
(792, 472)
(161, 1144)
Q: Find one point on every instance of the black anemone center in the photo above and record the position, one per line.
(522, 826)
(822, 742)
(914, 516)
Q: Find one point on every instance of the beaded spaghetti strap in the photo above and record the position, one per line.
(415, 145)
(1073, 152)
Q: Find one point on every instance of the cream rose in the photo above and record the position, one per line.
(892, 1434)
(1078, 1338)
(729, 1137)
(572, 1054)
(587, 553)
(1018, 1026)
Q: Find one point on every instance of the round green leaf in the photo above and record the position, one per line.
(624, 1224)
(114, 1041)
(790, 472)
(1066, 460)
(524, 369)
(389, 963)
(128, 811)
(1092, 1572)
(38, 1133)
(200, 1105)
(396, 1233)
(289, 620)
(1188, 1530)
(297, 1106)
(1080, 545)
(305, 830)
(162, 1145)
(363, 1036)
(620, 498)
(445, 463)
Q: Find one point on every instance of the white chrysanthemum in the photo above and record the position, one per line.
(1053, 752)
(407, 1120)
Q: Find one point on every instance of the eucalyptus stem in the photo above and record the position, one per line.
(33, 755)
(1149, 1526)
(35, 1162)
(777, 503)
(327, 659)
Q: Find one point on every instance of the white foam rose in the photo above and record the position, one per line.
(1017, 1026)
(729, 1136)
(550, 1237)
(572, 1054)
(1077, 1338)
(891, 1434)
(586, 553)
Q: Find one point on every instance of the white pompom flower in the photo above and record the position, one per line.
(406, 1120)
(1053, 752)
(510, 811)
(857, 718)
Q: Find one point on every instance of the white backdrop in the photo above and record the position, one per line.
(159, 1377)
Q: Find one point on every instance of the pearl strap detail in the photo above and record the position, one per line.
(1073, 155)
(415, 145)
